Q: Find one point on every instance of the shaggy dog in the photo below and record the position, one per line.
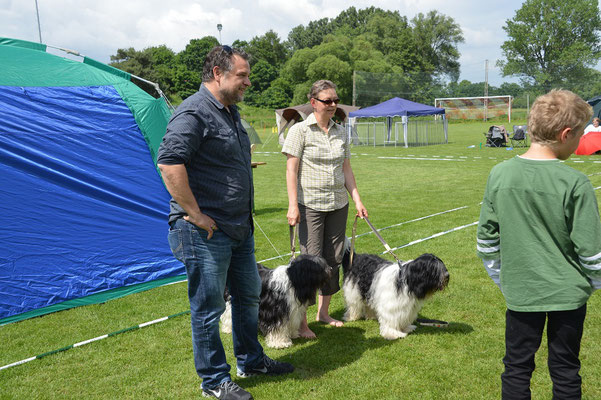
(286, 293)
(375, 288)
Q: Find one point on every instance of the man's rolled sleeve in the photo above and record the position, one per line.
(181, 140)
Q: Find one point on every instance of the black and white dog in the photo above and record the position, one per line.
(375, 288)
(285, 295)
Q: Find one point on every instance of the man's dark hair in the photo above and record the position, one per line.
(220, 56)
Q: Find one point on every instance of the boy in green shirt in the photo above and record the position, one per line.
(540, 220)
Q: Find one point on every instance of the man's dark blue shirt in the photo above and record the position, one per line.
(213, 145)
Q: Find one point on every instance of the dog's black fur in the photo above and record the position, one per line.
(306, 274)
(286, 292)
(420, 279)
(389, 291)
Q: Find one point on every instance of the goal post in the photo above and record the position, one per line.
(483, 107)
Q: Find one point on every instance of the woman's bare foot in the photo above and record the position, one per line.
(304, 331)
(326, 319)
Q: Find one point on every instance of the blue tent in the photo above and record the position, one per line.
(84, 210)
(397, 107)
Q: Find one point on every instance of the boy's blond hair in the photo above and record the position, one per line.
(555, 111)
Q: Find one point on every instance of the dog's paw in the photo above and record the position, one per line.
(278, 344)
(352, 315)
(392, 334)
(370, 314)
(409, 328)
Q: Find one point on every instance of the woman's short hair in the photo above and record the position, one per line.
(319, 86)
(220, 56)
(555, 111)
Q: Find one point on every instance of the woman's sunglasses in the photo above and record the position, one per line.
(328, 102)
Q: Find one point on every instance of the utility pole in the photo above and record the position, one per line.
(219, 27)
(354, 88)
(486, 90)
(37, 12)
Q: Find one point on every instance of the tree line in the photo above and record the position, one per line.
(550, 43)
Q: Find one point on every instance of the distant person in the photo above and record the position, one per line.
(205, 162)
(504, 133)
(539, 236)
(593, 126)
(318, 176)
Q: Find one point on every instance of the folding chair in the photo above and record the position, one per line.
(519, 137)
(495, 137)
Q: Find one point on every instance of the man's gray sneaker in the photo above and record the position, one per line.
(269, 367)
(227, 391)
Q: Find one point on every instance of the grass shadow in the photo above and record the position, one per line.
(314, 358)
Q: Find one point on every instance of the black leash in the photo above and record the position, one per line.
(293, 236)
(386, 246)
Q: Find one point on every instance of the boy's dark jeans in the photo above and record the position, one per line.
(523, 335)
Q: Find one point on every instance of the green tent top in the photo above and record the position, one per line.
(27, 64)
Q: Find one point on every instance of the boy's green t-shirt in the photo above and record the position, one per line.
(541, 219)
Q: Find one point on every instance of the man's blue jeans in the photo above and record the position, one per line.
(210, 265)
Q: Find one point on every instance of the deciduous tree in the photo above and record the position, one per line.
(552, 42)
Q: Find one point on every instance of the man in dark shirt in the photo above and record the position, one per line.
(205, 162)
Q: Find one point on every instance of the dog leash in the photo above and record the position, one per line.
(386, 246)
(293, 235)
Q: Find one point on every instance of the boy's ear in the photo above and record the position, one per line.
(565, 134)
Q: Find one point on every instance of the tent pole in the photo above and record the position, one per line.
(37, 12)
(405, 119)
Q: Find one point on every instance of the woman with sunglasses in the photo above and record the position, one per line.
(318, 176)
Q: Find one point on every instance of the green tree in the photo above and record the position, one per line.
(301, 37)
(295, 70)
(154, 64)
(436, 37)
(275, 97)
(193, 56)
(332, 68)
(261, 76)
(186, 82)
(552, 42)
(267, 48)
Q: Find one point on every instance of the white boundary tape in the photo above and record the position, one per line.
(433, 236)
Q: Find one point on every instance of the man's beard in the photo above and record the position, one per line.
(231, 96)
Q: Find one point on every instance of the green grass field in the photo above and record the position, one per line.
(397, 186)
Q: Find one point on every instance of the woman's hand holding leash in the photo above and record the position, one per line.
(361, 210)
(293, 215)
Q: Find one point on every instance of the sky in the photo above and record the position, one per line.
(98, 28)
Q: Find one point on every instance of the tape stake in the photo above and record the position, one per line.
(131, 328)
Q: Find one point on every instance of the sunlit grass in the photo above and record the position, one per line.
(462, 361)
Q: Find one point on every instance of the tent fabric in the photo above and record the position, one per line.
(595, 102)
(252, 133)
(589, 144)
(396, 107)
(84, 210)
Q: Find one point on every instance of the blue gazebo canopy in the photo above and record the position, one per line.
(397, 107)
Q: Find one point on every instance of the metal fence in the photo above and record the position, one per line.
(419, 133)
